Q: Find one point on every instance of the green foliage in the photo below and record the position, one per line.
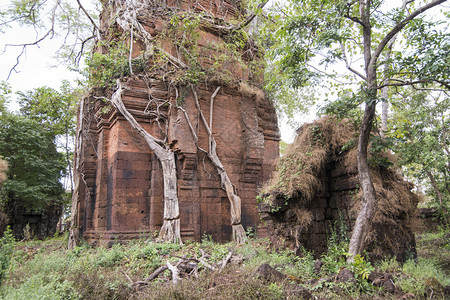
(275, 290)
(346, 106)
(47, 270)
(7, 244)
(5, 91)
(104, 69)
(337, 249)
(361, 268)
(428, 50)
(42, 287)
(109, 257)
(418, 276)
(35, 166)
(419, 131)
(55, 110)
(378, 148)
(309, 42)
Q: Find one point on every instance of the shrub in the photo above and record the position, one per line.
(42, 287)
(7, 244)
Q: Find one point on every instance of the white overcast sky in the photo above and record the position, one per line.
(37, 66)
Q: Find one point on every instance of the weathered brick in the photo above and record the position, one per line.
(129, 175)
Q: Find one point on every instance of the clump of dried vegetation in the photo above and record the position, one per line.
(300, 178)
(3, 169)
(316, 144)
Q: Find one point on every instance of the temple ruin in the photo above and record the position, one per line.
(120, 188)
(316, 190)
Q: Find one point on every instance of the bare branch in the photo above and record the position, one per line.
(399, 82)
(225, 261)
(204, 262)
(88, 16)
(249, 18)
(348, 64)
(175, 272)
(50, 33)
(155, 273)
(131, 51)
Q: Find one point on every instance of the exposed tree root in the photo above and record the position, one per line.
(239, 235)
(170, 231)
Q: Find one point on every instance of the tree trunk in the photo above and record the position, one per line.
(235, 200)
(74, 231)
(369, 201)
(384, 111)
(170, 230)
(435, 187)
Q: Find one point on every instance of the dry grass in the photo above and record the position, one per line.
(304, 217)
(3, 169)
(250, 91)
(297, 171)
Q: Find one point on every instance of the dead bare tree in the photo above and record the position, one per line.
(65, 20)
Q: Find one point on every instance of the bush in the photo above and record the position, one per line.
(7, 244)
(42, 287)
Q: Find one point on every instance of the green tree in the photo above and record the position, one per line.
(311, 36)
(56, 112)
(35, 165)
(420, 131)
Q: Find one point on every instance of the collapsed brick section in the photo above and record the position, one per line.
(121, 188)
(25, 223)
(297, 223)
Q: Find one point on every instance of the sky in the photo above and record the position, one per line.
(37, 67)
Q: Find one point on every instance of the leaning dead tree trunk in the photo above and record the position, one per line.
(227, 186)
(170, 230)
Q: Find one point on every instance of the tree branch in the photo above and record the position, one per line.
(348, 64)
(89, 17)
(249, 18)
(399, 27)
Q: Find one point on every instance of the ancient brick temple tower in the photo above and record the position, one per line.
(120, 188)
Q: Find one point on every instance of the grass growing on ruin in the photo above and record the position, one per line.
(47, 270)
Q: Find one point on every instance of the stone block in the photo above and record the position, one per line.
(319, 214)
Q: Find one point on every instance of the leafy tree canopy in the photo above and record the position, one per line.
(35, 165)
(55, 110)
(419, 129)
(321, 43)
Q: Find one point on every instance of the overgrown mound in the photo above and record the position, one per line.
(315, 187)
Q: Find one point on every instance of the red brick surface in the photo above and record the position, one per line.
(121, 191)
